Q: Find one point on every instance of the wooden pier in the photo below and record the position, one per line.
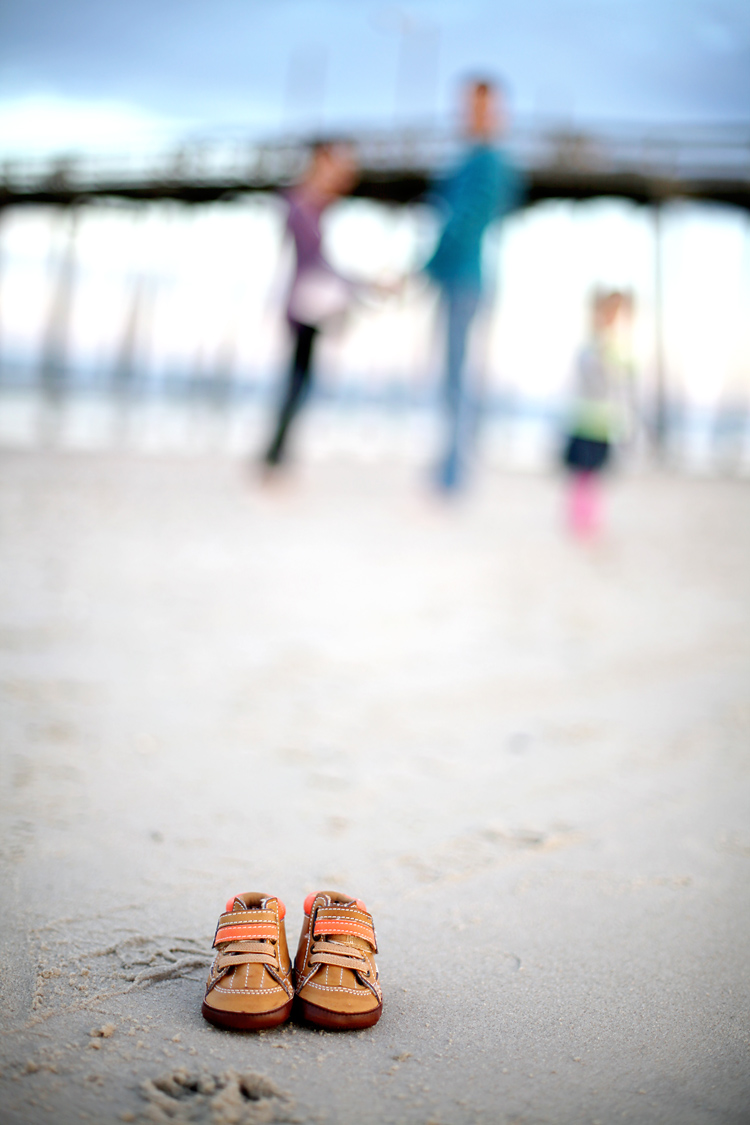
(710, 163)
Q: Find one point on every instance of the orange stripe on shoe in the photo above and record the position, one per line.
(343, 926)
(247, 931)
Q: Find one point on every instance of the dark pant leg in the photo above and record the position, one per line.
(298, 383)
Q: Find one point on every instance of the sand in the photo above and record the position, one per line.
(528, 756)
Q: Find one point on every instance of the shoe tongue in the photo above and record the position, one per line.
(239, 905)
(337, 901)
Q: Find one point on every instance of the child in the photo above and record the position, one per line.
(602, 385)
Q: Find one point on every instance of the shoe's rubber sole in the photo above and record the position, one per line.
(246, 1021)
(336, 1021)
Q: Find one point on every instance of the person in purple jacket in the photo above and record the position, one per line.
(318, 294)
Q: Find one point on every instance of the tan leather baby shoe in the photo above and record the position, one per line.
(250, 983)
(335, 971)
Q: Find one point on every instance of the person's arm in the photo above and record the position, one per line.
(512, 188)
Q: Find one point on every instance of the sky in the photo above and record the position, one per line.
(89, 74)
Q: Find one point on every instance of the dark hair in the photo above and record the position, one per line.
(320, 145)
(485, 84)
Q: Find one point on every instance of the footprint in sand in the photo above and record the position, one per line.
(182, 1096)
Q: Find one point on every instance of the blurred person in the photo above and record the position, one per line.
(483, 187)
(318, 295)
(602, 400)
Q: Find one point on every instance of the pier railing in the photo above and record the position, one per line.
(646, 165)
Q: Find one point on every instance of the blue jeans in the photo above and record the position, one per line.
(460, 303)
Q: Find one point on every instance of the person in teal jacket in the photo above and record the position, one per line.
(485, 186)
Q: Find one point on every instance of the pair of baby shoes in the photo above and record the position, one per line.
(333, 983)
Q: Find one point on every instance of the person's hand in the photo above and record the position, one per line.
(390, 286)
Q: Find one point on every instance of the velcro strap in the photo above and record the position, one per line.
(345, 912)
(332, 920)
(233, 918)
(245, 931)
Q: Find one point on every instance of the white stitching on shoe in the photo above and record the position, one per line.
(336, 988)
(247, 991)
